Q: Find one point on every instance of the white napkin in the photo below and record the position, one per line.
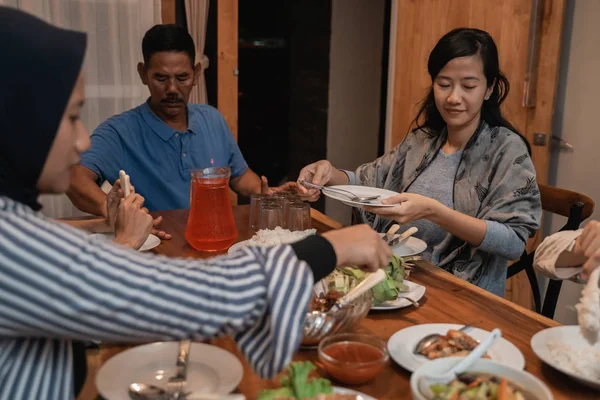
(551, 249)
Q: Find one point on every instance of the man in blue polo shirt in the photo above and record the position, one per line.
(160, 141)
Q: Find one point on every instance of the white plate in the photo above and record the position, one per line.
(569, 336)
(341, 390)
(411, 247)
(210, 369)
(237, 246)
(415, 292)
(401, 345)
(360, 191)
(150, 243)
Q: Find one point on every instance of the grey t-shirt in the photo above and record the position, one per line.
(436, 182)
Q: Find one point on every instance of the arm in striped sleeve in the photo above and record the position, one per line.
(57, 282)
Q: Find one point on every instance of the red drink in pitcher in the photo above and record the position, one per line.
(210, 226)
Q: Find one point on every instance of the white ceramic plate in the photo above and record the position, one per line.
(210, 369)
(244, 243)
(150, 243)
(522, 378)
(237, 246)
(415, 292)
(565, 336)
(360, 191)
(341, 390)
(411, 247)
(401, 345)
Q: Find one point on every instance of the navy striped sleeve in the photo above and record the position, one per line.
(56, 283)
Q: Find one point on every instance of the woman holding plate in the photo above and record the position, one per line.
(464, 175)
(58, 285)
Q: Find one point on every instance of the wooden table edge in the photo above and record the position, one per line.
(440, 273)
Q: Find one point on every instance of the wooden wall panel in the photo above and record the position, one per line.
(168, 11)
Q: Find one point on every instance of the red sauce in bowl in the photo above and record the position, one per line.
(353, 362)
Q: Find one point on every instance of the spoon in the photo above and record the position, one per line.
(343, 192)
(429, 339)
(413, 302)
(141, 391)
(404, 237)
(390, 233)
(367, 284)
(426, 381)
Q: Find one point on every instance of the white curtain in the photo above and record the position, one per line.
(196, 14)
(115, 30)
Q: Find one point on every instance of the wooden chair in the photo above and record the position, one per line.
(577, 208)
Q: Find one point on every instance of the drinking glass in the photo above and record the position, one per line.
(255, 201)
(270, 216)
(298, 216)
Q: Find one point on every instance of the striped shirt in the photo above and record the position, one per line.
(58, 284)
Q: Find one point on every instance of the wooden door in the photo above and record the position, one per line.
(420, 24)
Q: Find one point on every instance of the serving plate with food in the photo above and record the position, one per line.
(394, 292)
(401, 346)
(565, 349)
(484, 380)
(302, 383)
(270, 237)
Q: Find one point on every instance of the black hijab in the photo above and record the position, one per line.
(39, 66)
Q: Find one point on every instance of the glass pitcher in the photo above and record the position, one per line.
(210, 226)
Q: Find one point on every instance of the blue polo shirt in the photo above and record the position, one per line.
(158, 158)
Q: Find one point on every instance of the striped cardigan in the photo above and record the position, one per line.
(58, 284)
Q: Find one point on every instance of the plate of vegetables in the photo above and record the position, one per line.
(302, 383)
(388, 295)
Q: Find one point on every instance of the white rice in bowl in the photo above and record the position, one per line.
(581, 361)
(270, 237)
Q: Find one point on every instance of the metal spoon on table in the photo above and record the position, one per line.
(141, 391)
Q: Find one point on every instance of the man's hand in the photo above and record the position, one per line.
(133, 223)
(157, 231)
(286, 187)
(113, 199)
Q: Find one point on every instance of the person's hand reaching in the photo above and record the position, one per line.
(359, 245)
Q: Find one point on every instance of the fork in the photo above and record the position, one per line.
(176, 383)
(343, 192)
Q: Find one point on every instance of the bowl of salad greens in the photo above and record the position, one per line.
(390, 288)
(318, 325)
(302, 383)
(484, 380)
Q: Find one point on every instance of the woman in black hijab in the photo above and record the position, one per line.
(58, 284)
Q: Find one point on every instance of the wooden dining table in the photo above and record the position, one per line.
(448, 299)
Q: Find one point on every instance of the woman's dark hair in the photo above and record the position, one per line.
(167, 37)
(465, 42)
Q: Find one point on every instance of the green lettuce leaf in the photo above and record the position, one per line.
(390, 288)
(297, 385)
(272, 394)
